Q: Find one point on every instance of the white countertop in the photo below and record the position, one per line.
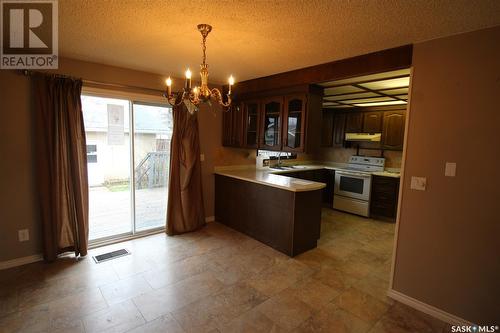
(272, 178)
(278, 178)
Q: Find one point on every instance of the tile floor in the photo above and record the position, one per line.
(217, 280)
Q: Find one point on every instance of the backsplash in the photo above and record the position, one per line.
(341, 155)
(240, 156)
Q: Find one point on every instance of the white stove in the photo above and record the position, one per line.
(353, 184)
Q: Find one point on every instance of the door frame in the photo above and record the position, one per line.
(132, 98)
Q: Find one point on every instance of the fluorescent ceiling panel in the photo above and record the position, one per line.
(381, 103)
(349, 96)
(402, 96)
(367, 77)
(396, 91)
(367, 100)
(341, 90)
(387, 84)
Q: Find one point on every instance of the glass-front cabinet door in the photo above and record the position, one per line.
(293, 127)
(251, 124)
(271, 124)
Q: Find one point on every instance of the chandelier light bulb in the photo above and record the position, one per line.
(231, 80)
(188, 74)
(168, 81)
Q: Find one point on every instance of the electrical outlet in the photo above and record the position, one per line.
(23, 235)
(450, 169)
(418, 183)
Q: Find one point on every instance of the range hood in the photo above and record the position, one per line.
(363, 137)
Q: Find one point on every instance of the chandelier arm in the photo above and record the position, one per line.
(218, 97)
(174, 99)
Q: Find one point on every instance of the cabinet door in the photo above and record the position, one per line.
(294, 123)
(384, 197)
(270, 130)
(327, 128)
(227, 128)
(394, 130)
(354, 122)
(339, 129)
(237, 125)
(251, 124)
(372, 122)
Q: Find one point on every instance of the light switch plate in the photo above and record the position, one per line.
(450, 169)
(418, 183)
(202, 157)
(23, 235)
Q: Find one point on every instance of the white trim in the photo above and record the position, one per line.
(426, 308)
(210, 219)
(123, 238)
(20, 261)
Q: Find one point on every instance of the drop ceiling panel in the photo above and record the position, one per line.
(370, 77)
(350, 96)
(368, 100)
(387, 84)
(380, 103)
(341, 90)
(396, 91)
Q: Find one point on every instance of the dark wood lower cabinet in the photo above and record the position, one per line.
(384, 198)
(287, 221)
(326, 176)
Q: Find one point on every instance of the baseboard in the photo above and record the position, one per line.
(20, 261)
(209, 218)
(426, 308)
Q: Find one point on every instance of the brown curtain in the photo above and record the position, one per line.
(61, 165)
(185, 211)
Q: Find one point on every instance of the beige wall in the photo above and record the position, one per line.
(448, 244)
(18, 208)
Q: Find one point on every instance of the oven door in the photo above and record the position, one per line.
(353, 185)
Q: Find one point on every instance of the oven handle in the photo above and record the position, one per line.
(355, 174)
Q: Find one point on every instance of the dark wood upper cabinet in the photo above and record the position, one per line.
(327, 128)
(251, 117)
(393, 130)
(339, 121)
(287, 119)
(232, 124)
(372, 122)
(354, 122)
(294, 117)
(270, 130)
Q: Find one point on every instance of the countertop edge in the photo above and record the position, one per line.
(312, 187)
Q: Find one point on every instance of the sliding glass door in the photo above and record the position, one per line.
(152, 134)
(128, 151)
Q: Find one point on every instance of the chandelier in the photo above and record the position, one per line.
(192, 97)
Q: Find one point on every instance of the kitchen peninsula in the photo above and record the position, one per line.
(280, 211)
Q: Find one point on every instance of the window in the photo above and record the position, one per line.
(91, 153)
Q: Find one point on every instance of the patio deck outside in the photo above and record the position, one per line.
(110, 210)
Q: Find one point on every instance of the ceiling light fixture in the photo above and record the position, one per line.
(193, 97)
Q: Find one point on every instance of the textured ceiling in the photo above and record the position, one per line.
(255, 38)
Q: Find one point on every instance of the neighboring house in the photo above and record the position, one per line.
(110, 163)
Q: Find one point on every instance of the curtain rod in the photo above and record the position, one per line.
(85, 81)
